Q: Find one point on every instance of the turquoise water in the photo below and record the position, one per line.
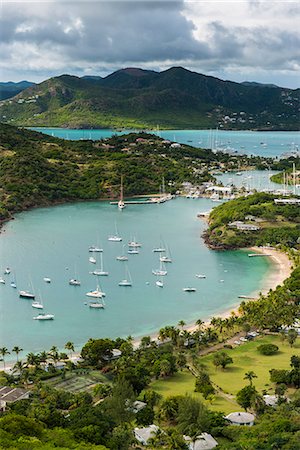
(271, 143)
(254, 179)
(54, 242)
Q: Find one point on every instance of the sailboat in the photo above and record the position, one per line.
(127, 281)
(26, 294)
(134, 243)
(101, 272)
(94, 248)
(122, 257)
(165, 258)
(44, 316)
(159, 283)
(161, 272)
(38, 304)
(115, 237)
(97, 293)
(97, 304)
(92, 260)
(74, 281)
(121, 204)
(2, 281)
(7, 271)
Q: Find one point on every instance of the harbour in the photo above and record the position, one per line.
(54, 243)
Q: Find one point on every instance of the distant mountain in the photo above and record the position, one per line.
(137, 98)
(254, 83)
(10, 89)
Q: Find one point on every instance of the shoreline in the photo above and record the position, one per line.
(279, 270)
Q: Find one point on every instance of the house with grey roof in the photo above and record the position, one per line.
(240, 418)
(143, 435)
(10, 395)
(204, 441)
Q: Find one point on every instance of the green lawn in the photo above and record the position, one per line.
(184, 383)
(230, 380)
(245, 358)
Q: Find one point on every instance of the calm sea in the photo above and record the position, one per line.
(54, 242)
(273, 143)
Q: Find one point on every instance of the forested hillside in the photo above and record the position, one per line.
(136, 98)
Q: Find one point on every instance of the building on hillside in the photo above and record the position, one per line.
(239, 225)
(271, 400)
(204, 441)
(10, 395)
(287, 201)
(143, 435)
(240, 418)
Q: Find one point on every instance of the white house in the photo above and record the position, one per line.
(204, 441)
(240, 418)
(144, 434)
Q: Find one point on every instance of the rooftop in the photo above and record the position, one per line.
(204, 441)
(240, 417)
(9, 394)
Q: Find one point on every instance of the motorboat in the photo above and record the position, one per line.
(189, 289)
(47, 279)
(199, 275)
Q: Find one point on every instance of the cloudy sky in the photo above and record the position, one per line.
(236, 40)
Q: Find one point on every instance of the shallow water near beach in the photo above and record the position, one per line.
(54, 242)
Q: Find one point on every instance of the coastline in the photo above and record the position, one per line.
(280, 269)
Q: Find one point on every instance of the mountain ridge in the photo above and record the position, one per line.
(138, 98)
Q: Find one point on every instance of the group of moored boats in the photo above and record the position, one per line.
(98, 295)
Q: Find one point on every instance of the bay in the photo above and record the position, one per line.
(261, 143)
(54, 242)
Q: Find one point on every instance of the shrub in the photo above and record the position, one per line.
(267, 349)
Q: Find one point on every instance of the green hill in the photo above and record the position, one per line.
(175, 98)
(37, 170)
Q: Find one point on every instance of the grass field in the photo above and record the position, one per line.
(78, 382)
(231, 380)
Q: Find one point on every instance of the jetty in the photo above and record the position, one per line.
(251, 255)
(148, 201)
(246, 297)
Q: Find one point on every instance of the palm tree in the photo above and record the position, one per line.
(19, 367)
(249, 376)
(70, 346)
(32, 359)
(181, 324)
(199, 324)
(43, 356)
(17, 350)
(3, 352)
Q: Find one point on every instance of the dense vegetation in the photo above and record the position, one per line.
(37, 170)
(135, 98)
(279, 224)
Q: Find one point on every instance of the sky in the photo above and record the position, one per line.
(241, 40)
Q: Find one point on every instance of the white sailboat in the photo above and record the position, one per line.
(159, 283)
(200, 275)
(74, 281)
(92, 260)
(121, 204)
(26, 294)
(2, 281)
(38, 304)
(7, 271)
(133, 251)
(44, 316)
(159, 249)
(134, 244)
(161, 272)
(95, 249)
(97, 304)
(127, 281)
(115, 237)
(122, 257)
(101, 272)
(97, 293)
